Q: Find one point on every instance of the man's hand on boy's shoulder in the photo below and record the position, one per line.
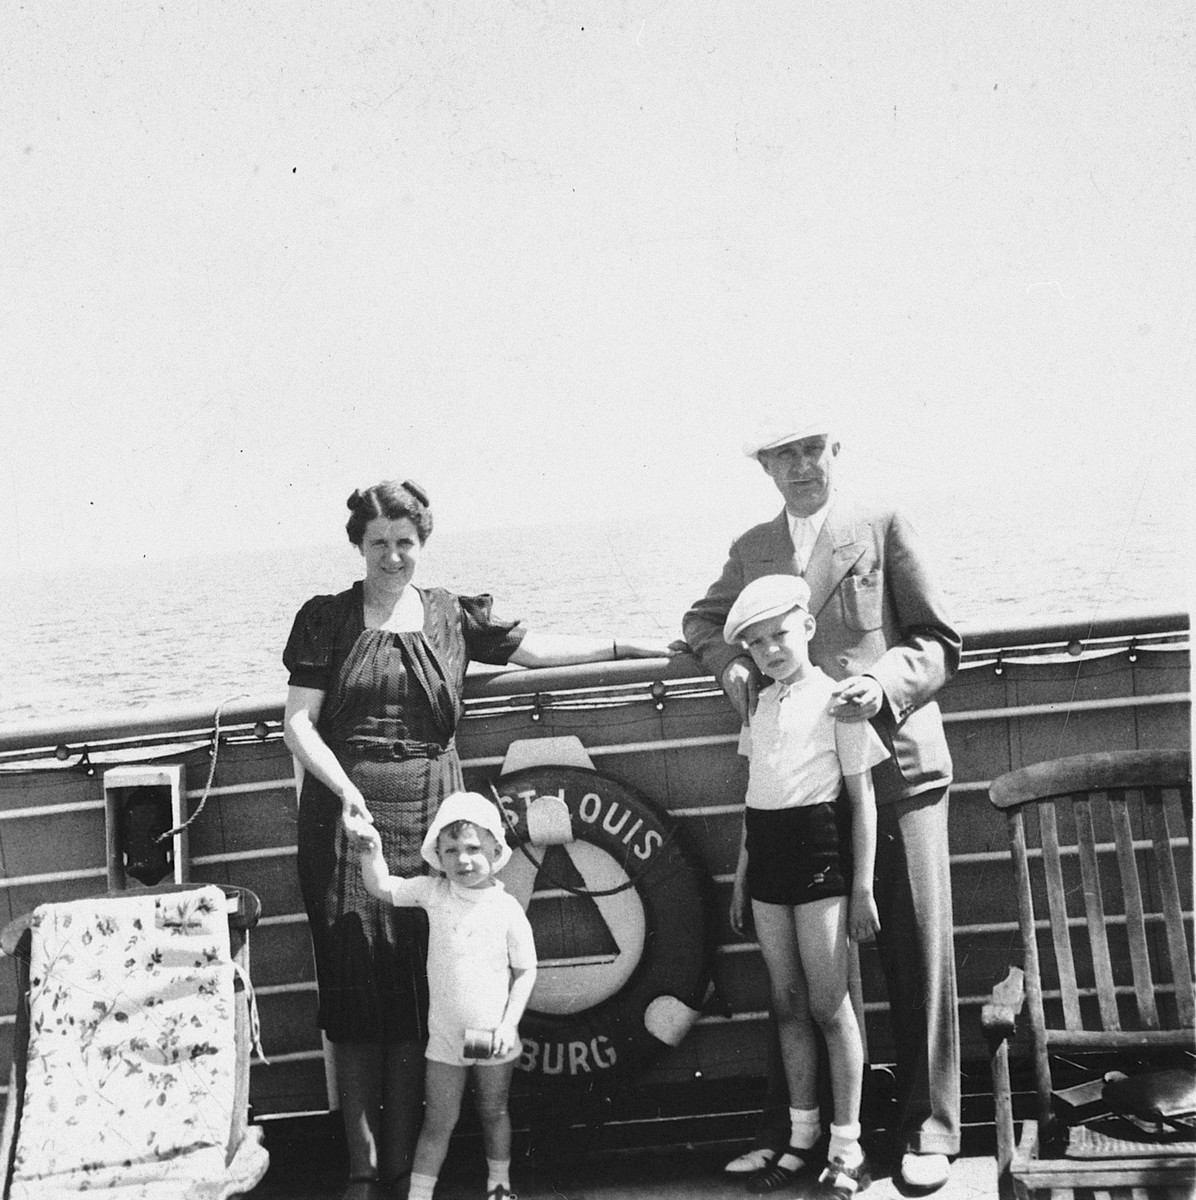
(858, 698)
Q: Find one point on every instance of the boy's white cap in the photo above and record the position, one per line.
(472, 807)
(768, 596)
(781, 430)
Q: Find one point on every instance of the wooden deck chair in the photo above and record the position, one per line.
(1101, 849)
(135, 1025)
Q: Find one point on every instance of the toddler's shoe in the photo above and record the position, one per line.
(498, 1192)
(841, 1182)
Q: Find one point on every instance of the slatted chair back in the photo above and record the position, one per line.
(1102, 856)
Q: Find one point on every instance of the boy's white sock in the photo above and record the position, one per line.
(805, 1126)
(421, 1187)
(498, 1171)
(845, 1145)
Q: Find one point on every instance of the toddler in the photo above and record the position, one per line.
(481, 969)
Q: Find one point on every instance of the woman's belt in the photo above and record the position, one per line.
(396, 751)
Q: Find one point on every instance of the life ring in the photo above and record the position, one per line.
(621, 906)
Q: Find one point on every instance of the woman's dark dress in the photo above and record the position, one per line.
(390, 709)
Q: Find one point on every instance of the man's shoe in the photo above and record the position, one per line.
(750, 1161)
(925, 1172)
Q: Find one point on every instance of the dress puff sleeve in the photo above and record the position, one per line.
(488, 640)
(309, 648)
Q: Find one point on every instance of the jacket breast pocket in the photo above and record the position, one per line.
(862, 598)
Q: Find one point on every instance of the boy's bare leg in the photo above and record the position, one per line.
(822, 938)
(777, 934)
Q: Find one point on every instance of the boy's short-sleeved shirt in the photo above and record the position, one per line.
(797, 752)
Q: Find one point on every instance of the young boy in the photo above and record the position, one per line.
(481, 968)
(809, 880)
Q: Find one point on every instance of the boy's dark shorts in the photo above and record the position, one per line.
(797, 855)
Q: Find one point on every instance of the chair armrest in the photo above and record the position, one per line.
(11, 935)
(248, 907)
(999, 1016)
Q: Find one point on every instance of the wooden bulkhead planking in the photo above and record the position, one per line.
(52, 834)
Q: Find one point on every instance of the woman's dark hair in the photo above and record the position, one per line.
(392, 500)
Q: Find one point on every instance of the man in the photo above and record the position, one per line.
(882, 632)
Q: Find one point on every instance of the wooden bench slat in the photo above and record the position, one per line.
(1177, 944)
(1033, 972)
(1094, 909)
(1052, 865)
(1135, 915)
(1117, 1039)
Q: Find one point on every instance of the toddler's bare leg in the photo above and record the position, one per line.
(492, 1086)
(444, 1085)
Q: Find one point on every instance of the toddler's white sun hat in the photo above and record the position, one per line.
(768, 596)
(472, 807)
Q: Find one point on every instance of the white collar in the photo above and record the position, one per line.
(798, 685)
(813, 522)
(472, 895)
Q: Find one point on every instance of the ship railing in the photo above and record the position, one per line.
(591, 686)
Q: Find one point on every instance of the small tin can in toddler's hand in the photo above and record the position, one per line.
(478, 1043)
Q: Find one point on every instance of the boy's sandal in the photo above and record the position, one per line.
(775, 1176)
(841, 1182)
(750, 1161)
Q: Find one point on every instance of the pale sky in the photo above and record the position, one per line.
(547, 258)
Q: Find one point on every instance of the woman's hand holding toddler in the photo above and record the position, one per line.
(363, 837)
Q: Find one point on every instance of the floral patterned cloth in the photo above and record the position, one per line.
(132, 1053)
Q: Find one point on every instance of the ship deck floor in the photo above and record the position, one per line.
(690, 1172)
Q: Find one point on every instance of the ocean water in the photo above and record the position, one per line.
(212, 627)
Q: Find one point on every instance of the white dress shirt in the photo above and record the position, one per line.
(804, 531)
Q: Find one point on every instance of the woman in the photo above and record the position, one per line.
(376, 676)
